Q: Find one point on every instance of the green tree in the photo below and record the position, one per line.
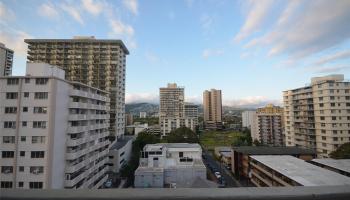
(182, 135)
(257, 143)
(244, 139)
(343, 152)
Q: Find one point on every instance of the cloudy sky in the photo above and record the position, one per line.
(251, 50)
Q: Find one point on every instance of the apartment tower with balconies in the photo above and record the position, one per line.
(95, 62)
(317, 116)
(54, 132)
(212, 105)
(6, 60)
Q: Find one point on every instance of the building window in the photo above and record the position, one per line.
(335, 139)
(39, 124)
(8, 139)
(181, 154)
(23, 138)
(9, 110)
(332, 104)
(321, 104)
(6, 184)
(8, 154)
(10, 124)
(7, 169)
(322, 118)
(12, 81)
(25, 109)
(41, 110)
(36, 170)
(324, 138)
(27, 80)
(41, 95)
(41, 81)
(334, 118)
(24, 124)
(38, 139)
(20, 184)
(35, 185)
(21, 168)
(22, 153)
(37, 154)
(26, 94)
(346, 91)
(11, 95)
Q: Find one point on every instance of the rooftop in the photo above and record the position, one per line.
(79, 39)
(341, 164)
(175, 145)
(121, 142)
(265, 150)
(302, 172)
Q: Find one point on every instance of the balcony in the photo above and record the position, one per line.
(77, 117)
(78, 105)
(251, 193)
(76, 154)
(77, 129)
(71, 183)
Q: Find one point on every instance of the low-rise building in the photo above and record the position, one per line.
(54, 132)
(136, 129)
(241, 156)
(170, 165)
(276, 171)
(143, 114)
(120, 153)
(341, 166)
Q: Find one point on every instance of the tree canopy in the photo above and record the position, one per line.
(343, 152)
(182, 135)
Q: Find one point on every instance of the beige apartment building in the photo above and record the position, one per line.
(267, 126)
(212, 105)
(172, 109)
(318, 115)
(95, 62)
(54, 132)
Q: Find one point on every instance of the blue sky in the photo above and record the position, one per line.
(251, 50)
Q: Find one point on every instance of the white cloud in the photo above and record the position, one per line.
(48, 10)
(93, 7)
(131, 5)
(330, 58)
(306, 28)
(251, 102)
(6, 14)
(212, 52)
(73, 12)
(119, 28)
(14, 40)
(255, 18)
(330, 69)
(206, 21)
(142, 98)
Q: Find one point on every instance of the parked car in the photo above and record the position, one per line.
(218, 175)
(108, 183)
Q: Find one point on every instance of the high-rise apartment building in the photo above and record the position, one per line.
(54, 133)
(248, 118)
(267, 126)
(191, 113)
(97, 63)
(6, 60)
(212, 105)
(318, 115)
(172, 114)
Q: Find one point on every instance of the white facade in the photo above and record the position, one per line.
(248, 118)
(172, 110)
(120, 153)
(143, 114)
(54, 133)
(170, 165)
(6, 60)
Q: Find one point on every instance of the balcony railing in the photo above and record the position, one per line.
(277, 193)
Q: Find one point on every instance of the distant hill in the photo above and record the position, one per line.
(136, 108)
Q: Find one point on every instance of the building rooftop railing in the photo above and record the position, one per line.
(251, 193)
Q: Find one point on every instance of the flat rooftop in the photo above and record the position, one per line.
(265, 150)
(121, 142)
(302, 172)
(341, 164)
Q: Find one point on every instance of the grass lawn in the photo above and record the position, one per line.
(210, 140)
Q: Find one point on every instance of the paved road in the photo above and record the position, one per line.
(210, 161)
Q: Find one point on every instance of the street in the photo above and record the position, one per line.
(210, 162)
